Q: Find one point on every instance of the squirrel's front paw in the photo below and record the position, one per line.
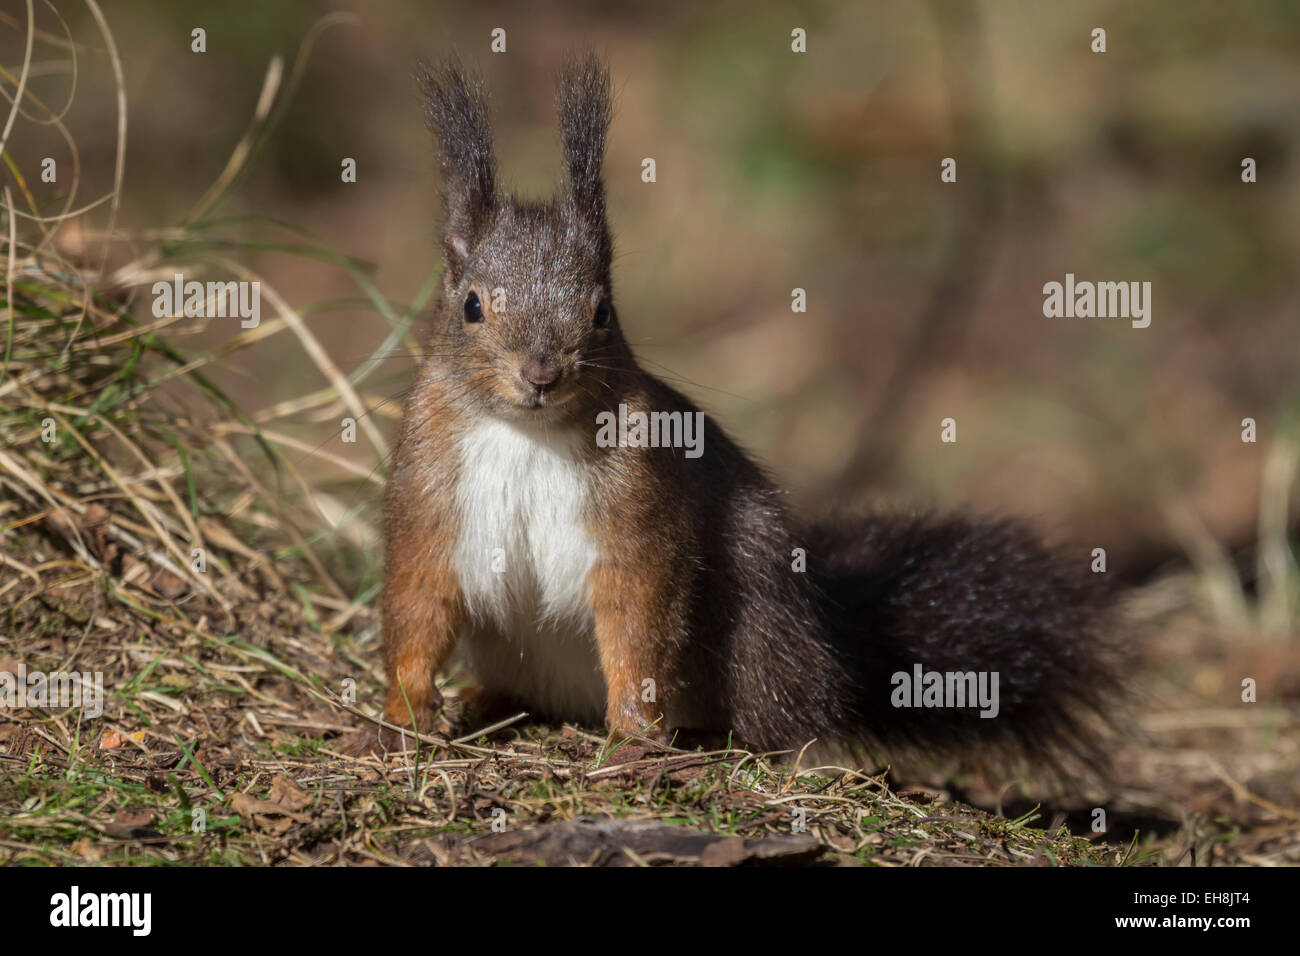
(641, 725)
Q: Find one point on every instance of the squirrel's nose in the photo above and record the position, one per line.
(540, 375)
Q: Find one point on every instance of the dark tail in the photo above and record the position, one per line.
(956, 596)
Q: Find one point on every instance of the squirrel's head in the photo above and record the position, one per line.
(526, 311)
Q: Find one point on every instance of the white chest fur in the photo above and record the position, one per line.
(523, 547)
(523, 559)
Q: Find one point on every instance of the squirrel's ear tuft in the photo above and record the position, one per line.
(456, 111)
(582, 101)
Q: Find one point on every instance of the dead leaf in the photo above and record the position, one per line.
(288, 794)
(169, 585)
(112, 739)
(264, 814)
(131, 826)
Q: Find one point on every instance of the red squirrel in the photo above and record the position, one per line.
(657, 590)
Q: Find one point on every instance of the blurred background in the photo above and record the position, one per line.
(775, 170)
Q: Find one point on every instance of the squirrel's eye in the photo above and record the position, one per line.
(473, 308)
(601, 319)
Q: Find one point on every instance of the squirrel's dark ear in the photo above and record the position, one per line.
(583, 103)
(456, 110)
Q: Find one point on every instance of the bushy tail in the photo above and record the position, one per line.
(956, 596)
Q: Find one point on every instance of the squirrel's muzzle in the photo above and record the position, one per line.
(538, 375)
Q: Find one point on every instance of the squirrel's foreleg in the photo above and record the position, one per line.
(424, 612)
(633, 645)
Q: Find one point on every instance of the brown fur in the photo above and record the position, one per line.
(423, 610)
(692, 585)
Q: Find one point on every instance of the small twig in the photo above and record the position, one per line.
(491, 728)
